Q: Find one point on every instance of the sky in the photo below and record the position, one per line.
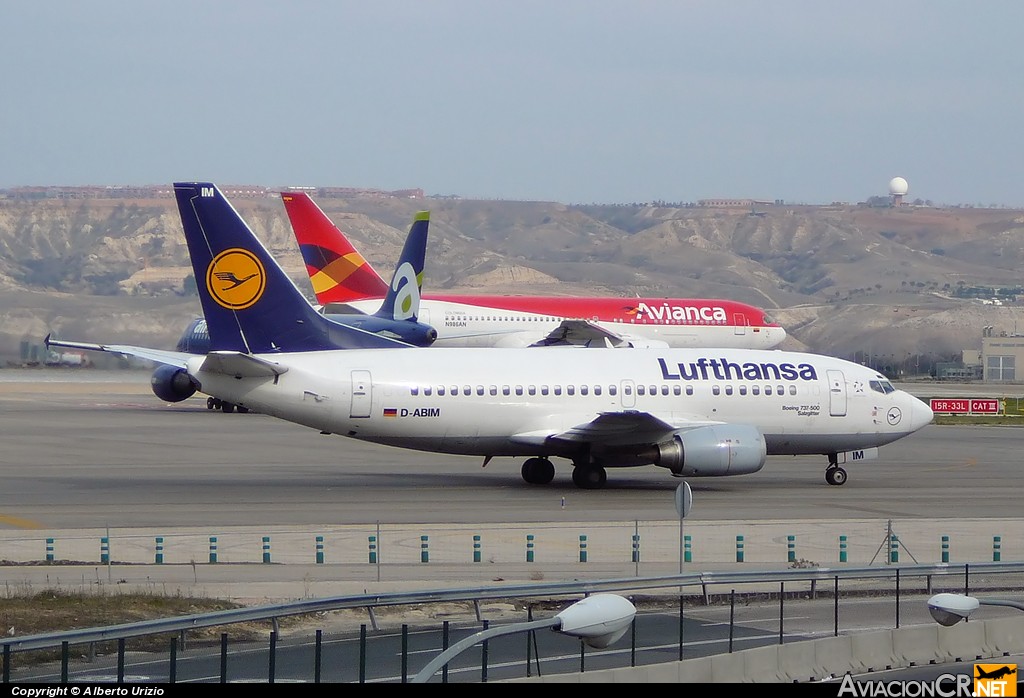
(576, 101)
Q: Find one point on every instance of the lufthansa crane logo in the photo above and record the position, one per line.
(894, 416)
(236, 279)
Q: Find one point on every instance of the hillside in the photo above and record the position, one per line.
(840, 279)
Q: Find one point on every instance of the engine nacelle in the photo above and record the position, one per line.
(720, 449)
(172, 384)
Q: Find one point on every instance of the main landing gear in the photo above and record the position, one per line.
(589, 476)
(213, 403)
(585, 475)
(834, 475)
(538, 471)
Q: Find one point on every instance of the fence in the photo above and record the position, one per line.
(706, 543)
(656, 637)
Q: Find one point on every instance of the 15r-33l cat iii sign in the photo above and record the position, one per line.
(967, 405)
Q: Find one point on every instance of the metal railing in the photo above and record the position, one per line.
(712, 586)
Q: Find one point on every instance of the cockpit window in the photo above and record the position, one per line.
(884, 387)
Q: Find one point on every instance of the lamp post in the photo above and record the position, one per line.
(598, 620)
(950, 609)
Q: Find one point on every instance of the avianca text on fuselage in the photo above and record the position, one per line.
(680, 313)
(723, 370)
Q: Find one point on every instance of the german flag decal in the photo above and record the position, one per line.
(390, 412)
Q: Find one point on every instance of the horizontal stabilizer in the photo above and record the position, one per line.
(239, 365)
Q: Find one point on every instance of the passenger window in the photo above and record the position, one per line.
(506, 390)
(532, 390)
(677, 390)
(639, 390)
(414, 390)
(570, 390)
(792, 390)
(519, 390)
(455, 390)
(583, 390)
(628, 390)
(543, 390)
(715, 390)
(728, 390)
(558, 390)
(652, 390)
(597, 390)
(664, 390)
(494, 390)
(689, 390)
(780, 390)
(479, 390)
(754, 390)
(427, 390)
(743, 390)
(440, 390)
(767, 390)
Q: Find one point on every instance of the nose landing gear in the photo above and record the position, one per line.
(834, 475)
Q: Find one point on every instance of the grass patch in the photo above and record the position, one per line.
(994, 420)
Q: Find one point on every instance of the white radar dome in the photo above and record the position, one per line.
(898, 185)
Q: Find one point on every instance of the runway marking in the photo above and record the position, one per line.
(19, 523)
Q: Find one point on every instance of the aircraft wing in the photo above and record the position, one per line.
(587, 333)
(160, 356)
(239, 365)
(614, 429)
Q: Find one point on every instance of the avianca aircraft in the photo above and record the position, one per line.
(694, 412)
(342, 277)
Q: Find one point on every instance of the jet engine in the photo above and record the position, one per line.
(172, 384)
(720, 449)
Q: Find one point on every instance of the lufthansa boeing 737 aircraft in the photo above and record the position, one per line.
(694, 412)
(341, 277)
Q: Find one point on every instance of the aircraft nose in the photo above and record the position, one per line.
(921, 414)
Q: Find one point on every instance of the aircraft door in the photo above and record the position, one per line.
(362, 394)
(739, 324)
(627, 392)
(836, 393)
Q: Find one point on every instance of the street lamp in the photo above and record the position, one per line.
(950, 609)
(598, 620)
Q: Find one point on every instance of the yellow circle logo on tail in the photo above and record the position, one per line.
(236, 279)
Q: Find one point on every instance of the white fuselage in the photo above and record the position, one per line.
(507, 401)
(469, 325)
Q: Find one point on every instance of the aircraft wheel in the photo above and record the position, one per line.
(227, 407)
(835, 476)
(210, 403)
(589, 477)
(538, 471)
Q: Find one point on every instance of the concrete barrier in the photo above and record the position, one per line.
(872, 651)
(797, 661)
(833, 656)
(1004, 636)
(816, 660)
(728, 668)
(916, 645)
(963, 642)
(763, 664)
(697, 670)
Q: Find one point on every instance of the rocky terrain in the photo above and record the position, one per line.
(904, 283)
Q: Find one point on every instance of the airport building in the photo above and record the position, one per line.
(1000, 355)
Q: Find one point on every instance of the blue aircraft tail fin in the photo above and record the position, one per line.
(402, 301)
(249, 303)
